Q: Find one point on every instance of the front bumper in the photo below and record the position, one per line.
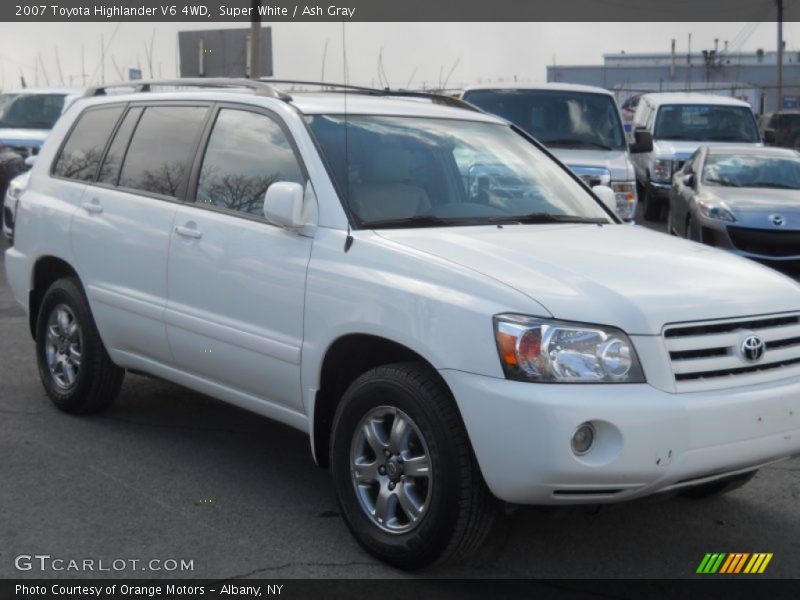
(647, 440)
(763, 244)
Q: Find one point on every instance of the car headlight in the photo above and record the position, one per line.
(715, 211)
(662, 170)
(625, 192)
(542, 350)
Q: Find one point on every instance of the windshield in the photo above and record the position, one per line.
(557, 118)
(30, 111)
(706, 123)
(733, 170)
(417, 172)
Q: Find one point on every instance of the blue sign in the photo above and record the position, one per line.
(791, 102)
(134, 74)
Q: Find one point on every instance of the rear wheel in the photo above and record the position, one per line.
(716, 488)
(74, 366)
(691, 231)
(406, 479)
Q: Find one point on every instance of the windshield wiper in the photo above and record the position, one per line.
(728, 138)
(414, 221)
(574, 142)
(725, 182)
(540, 217)
(773, 184)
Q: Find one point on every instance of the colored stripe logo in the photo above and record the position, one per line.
(734, 563)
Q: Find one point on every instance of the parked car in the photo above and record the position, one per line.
(446, 334)
(10, 200)
(579, 124)
(628, 110)
(746, 200)
(27, 116)
(781, 129)
(11, 165)
(679, 123)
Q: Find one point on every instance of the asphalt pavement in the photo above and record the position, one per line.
(168, 474)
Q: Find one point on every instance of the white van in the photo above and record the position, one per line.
(579, 124)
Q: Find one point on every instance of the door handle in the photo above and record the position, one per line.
(188, 232)
(93, 207)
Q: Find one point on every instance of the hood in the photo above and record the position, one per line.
(683, 149)
(615, 161)
(753, 207)
(29, 138)
(619, 275)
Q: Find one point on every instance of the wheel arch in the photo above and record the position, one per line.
(345, 359)
(46, 270)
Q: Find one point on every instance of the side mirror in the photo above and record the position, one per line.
(283, 204)
(607, 196)
(769, 136)
(643, 142)
(30, 161)
(688, 180)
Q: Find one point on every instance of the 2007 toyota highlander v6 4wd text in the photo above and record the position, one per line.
(449, 313)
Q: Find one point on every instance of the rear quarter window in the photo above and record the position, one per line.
(81, 153)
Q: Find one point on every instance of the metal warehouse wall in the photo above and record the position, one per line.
(693, 78)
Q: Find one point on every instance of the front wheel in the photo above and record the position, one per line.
(406, 479)
(652, 206)
(74, 366)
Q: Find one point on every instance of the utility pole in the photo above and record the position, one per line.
(779, 100)
(255, 41)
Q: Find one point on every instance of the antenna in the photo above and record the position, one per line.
(348, 241)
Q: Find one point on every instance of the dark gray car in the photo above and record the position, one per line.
(741, 198)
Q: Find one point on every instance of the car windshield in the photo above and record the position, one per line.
(706, 123)
(560, 119)
(424, 172)
(30, 111)
(734, 170)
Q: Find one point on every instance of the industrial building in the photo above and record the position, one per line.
(751, 76)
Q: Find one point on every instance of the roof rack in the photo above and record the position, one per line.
(260, 88)
(356, 89)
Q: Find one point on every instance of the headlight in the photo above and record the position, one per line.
(662, 170)
(533, 349)
(715, 211)
(625, 192)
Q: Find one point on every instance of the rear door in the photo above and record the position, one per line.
(236, 282)
(121, 234)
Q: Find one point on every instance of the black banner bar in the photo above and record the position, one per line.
(396, 10)
(701, 588)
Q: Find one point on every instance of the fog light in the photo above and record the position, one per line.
(582, 439)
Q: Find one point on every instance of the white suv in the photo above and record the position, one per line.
(445, 309)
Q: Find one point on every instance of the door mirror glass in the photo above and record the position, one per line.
(283, 204)
(688, 180)
(607, 195)
(643, 142)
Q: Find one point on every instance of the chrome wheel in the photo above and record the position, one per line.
(391, 469)
(63, 347)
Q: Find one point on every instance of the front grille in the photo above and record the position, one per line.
(766, 242)
(709, 354)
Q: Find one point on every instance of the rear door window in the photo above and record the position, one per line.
(162, 149)
(109, 172)
(81, 154)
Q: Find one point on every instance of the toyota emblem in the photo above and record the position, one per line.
(777, 220)
(752, 348)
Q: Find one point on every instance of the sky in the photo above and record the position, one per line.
(414, 54)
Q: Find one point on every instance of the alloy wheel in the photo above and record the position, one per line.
(63, 346)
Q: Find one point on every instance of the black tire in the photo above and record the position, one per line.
(97, 380)
(716, 488)
(459, 511)
(652, 206)
(670, 224)
(690, 233)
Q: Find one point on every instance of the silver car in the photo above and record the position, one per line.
(741, 198)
